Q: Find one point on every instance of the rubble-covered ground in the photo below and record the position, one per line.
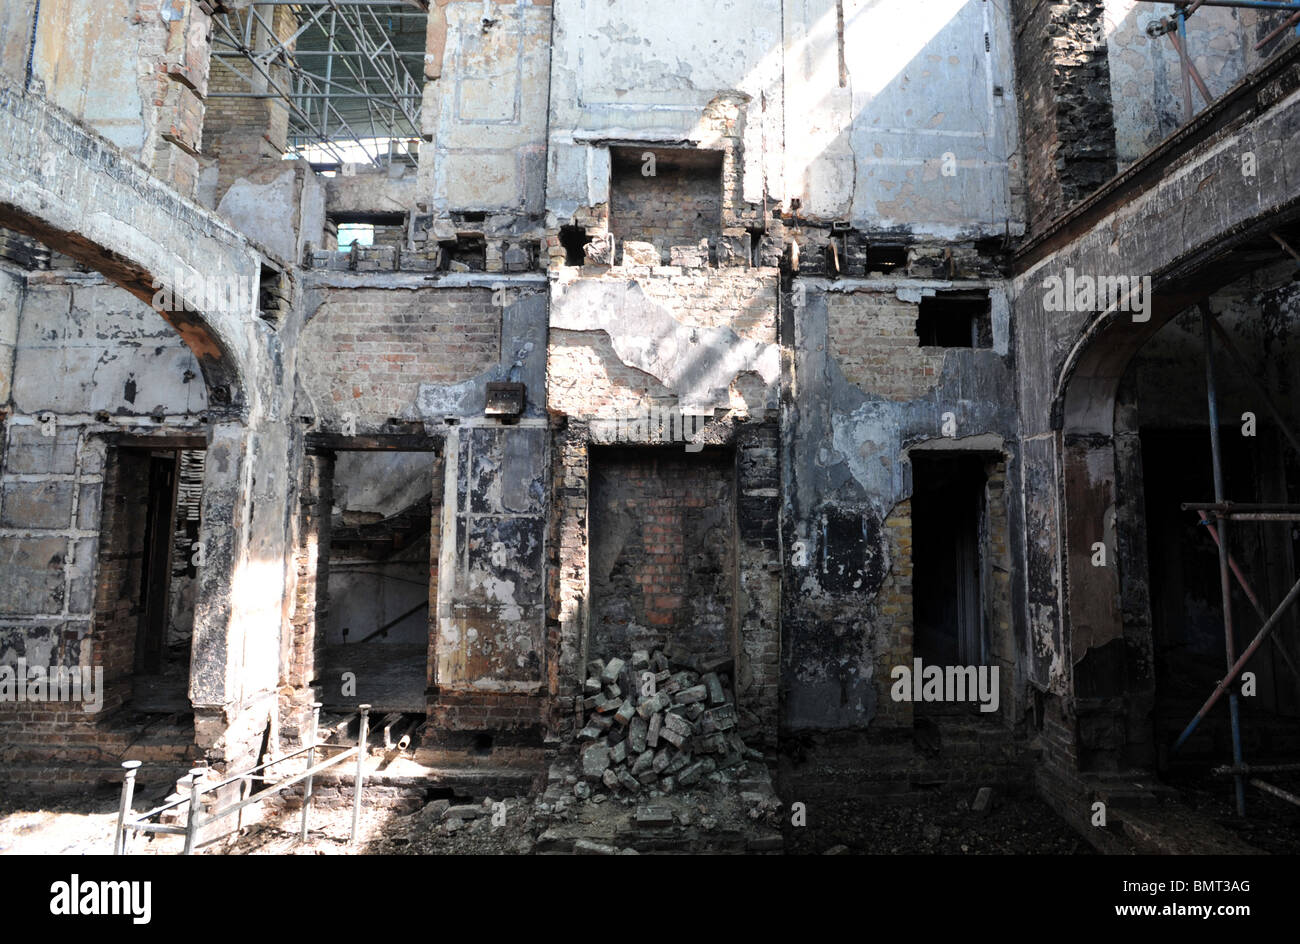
(713, 817)
(939, 823)
(1271, 824)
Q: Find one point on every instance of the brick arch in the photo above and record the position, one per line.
(79, 194)
(1083, 410)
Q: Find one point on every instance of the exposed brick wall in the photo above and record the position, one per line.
(758, 511)
(455, 719)
(1066, 115)
(567, 575)
(679, 205)
(874, 341)
(744, 301)
(367, 351)
(893, 606)
(663, 552)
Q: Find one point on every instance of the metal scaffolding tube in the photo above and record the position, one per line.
(378, 73)
(246, 55)
(1250, 594)
(1219, 689)
(1225, 573)
(1276, 791)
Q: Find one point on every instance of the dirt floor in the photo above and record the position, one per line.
(513, 825)
(706, 820)
(941, 824)
(1271, 824)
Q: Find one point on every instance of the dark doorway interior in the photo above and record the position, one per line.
(381, 570)
(948, 572)
(154, 542)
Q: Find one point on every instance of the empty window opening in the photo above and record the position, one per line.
(273, 295)
(363, 234)
(949, 566)
(369, 229)
(468, 253)
(882, 260)
(665, 196)
(379, 568)
(663, 551)
(148, 573)
(955, 319)
(574, 240)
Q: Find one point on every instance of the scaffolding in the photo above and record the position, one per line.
(1223, 513)
(337, 68)
(1175, 27)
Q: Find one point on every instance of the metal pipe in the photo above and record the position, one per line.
(1231, 509)
(1191, 68)
(1250, 593)
(1276, 791)
(192, 821)
(129, 767)
(311, 760)
(1181, 20)
(1290, 251)
(1225, 573)
(1256, 769)
(1291, 21)
(361, 761)
(1219, 689)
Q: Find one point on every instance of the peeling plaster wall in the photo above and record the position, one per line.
(491, 607)
(846, 481)
(626, 72)
(85, 345)
(699, 338)
(888, 93)
(1146, 77)
(135, 71)
(484, 113)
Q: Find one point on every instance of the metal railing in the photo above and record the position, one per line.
(129, 823)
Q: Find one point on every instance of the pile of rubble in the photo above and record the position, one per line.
(654, 725)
